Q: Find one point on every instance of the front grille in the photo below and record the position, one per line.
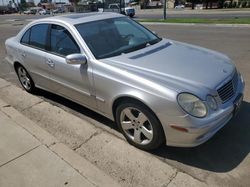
(228, 90)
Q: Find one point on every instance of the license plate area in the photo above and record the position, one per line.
(237, 103)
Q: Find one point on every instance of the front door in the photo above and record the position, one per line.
(71, 81)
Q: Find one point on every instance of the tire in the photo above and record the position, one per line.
(25, 79)
(139, 125)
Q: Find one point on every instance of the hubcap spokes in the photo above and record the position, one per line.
(136, 125)
(24, 79)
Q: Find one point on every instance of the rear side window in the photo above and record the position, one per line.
(26, 37)
(62, 42)
(38, 36)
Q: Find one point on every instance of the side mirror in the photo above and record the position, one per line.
(76, 59)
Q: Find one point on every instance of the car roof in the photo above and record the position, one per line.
(77, 18)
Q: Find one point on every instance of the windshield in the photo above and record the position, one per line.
(112, 37)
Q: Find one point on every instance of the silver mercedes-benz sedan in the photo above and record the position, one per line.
(157, 90)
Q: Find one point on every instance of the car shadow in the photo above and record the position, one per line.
(222, 153)
(76, 109)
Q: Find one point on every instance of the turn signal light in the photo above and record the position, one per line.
(182, 129)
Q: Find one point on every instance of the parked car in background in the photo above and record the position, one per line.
(3, 9)
(27, 12)
(179, 7)
(30, 11)
(115, 7)
(157, 90)
(55, 11)
(129, 11)
(7, 10)
(43, 12)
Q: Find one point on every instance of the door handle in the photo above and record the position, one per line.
(23, 54)
(50, 63)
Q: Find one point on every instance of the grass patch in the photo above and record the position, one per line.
(200, 20)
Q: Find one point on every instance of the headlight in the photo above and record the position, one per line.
(211, 102)
(192, 105)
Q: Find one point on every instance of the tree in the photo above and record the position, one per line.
(44, 1)
(74, 2)
(23, 4)
(194, 2)
(221, 3)
(144, 3)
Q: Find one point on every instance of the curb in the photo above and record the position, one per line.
(124, 164)
(196, 24)
(81, 165)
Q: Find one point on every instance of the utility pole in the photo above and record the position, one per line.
(120, 6)
(165, 9)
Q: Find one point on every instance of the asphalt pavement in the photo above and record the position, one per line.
(224, 160)
(158, 14)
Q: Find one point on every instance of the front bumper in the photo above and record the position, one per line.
(199, 130)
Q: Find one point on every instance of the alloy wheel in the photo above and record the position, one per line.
(24, 78)
(136, 126)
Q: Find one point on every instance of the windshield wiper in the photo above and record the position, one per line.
(154, 41)
(141, 46)
(131, 49)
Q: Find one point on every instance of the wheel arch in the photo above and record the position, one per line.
(122, 99)
(16, 64)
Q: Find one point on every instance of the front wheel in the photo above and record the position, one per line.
(139, 126)
(25, 79)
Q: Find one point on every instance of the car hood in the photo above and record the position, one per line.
(177, 65)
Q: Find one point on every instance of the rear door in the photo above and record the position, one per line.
(32, 51)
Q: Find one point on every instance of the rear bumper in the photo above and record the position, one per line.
(10, 62)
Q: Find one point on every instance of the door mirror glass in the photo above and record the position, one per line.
(76, 59)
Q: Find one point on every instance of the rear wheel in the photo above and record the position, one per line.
(25, 79)
(139, 126)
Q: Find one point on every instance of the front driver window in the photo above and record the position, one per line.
(61, 41)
